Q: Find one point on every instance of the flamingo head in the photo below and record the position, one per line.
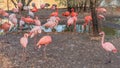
(72, 9)
(33, 4)
(26, 35)
(101, 17)
(47, 4)
(101, 33)
(19, 4)
(36, 17)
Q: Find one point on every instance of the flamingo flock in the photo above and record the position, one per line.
(52, 21)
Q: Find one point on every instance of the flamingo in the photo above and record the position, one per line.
(21, 23)
(19, 4)
(44, 41)
(15, 10)
(28, 20)
(67, 13)
(109, 47)
(88, 20)
(14, 20)
(3, 13)
(37, 21)
(72, 19)
(52, 22)
(54, 6)
(5, 27)
(42, 6)
(24, 42)
(30, 13)
(34, 31)
(34, 9)
(101, 10)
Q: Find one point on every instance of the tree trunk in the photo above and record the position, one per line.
(29, 1)
(85, 5)
(94, 18)
(8, 5)
(14, 3)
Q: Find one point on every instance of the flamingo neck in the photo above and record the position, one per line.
(103, 37)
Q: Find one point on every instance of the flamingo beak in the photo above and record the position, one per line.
(114, 51)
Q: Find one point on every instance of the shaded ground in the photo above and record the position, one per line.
(68, 50)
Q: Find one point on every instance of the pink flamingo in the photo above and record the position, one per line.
(88, 20)
(72, 19)
(34, 9)
(3, 13)
(24, 42)
(34, 32)
(42, 6)
(21, 23)
(44, 41)
(54, 6)
(28, 20)
(67, 13)
(37, 21)
(101, 10)
(5, 26)
(19, 4)
(109, 47)
(15, 10)
(52, 22)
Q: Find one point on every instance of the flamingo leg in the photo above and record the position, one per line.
(44, 53)
(109, 58)
(74, 26)
(6, 40)
(24, 54)
(35, 41)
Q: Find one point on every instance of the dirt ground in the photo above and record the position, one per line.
(67, 50)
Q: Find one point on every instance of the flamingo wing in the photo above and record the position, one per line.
(24, 42)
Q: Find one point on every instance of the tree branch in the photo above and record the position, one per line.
(14, 3)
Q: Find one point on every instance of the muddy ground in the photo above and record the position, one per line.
(67, 50)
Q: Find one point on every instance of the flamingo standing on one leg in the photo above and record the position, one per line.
(109, 47)
(44, 41)
(24, 42)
